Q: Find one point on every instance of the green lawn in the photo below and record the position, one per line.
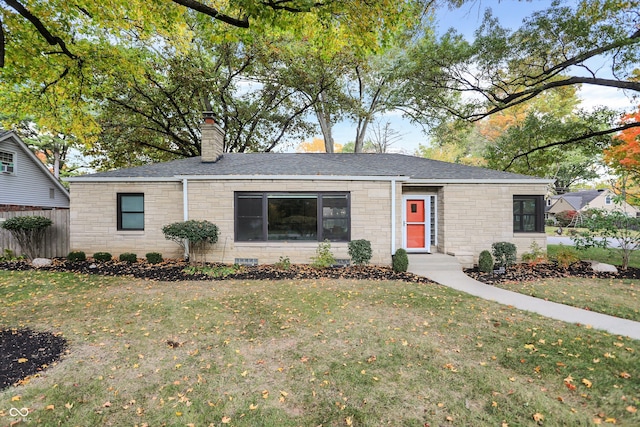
(308, 353)
(609, 256)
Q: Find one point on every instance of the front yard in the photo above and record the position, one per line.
(328, 352)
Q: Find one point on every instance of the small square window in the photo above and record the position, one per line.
(7, 163)
(130, 211)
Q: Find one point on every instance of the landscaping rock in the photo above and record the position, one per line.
(41, 262)
(601, 267)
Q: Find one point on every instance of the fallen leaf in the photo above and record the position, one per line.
(50, 407)
(226, 420)
(253, 407)
(538, 417)
(348, 421)
(625, 375)
(265, 394)
(597, 421)
(22, 360)
(586, 382)
(610, 421)
(15, 398)
(68, 405)
(631, 409)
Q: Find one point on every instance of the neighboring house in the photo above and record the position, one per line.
(582, 201)
(272, 205)
(25, 182)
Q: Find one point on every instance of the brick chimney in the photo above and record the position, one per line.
(212, 142)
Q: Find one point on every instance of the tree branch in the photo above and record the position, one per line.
(573, 140)
(214, 13)
(44, 32)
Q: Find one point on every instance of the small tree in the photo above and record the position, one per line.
(29, 232)
(194, 235)
(504, 253)
(360, 251)
(605, 226)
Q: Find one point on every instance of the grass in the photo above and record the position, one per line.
(609, 256)
(291, 353)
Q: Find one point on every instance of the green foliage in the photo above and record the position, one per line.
(360, 251)
(128, 257)
(9, 255)
(535, 255)
(76, 256)
(102, 256)
(504, 253)
(154, 257)
(284, 263)
(323, 258)
(216, 271)
(565, 256)
(485, 262)
(604, 226)
(400, 261)
(29, 232)
(198, 235)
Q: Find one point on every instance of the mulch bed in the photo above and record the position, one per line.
(25, 352)
(175, 270)
(527, 273)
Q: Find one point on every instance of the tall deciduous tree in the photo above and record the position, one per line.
(563, 46)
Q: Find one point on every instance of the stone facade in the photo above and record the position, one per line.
(470, 217)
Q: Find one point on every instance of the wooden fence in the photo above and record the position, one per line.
(56, 239)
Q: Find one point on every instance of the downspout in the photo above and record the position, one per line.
(185, 212)
(393, 216)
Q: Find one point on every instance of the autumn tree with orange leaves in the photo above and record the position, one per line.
(624, 157)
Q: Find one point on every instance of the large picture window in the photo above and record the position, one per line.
(130, 211)
(292, 216)
(528, 214)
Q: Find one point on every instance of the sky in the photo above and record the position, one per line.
(466, 20)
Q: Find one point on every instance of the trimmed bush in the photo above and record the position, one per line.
(102, 256)
(76, 256)
(360, 251)
(154, 257)
(485, 262)
(199, 235)
(400, 261)
(504, 253)
(128, 257)
(28, 231)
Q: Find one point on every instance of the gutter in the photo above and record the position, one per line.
(185, 211)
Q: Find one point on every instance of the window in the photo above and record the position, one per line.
(607, 200)
(528, 214)
(7, 164)
(130, 211)
(292, 216)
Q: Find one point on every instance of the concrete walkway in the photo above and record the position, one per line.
(447, 271)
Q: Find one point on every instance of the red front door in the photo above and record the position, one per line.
(417, 224)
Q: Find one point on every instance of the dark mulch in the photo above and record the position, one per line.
(25, 352)
(174, 270)
(527, 273)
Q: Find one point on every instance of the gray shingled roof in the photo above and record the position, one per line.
(321, 164)
(579, 199)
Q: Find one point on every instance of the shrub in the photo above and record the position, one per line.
(400, 261)
(535, 256)
(565, 218)
(102, 256)
(324, 258)
(76, 256)
(154, 257)
(284, 263)
(198, 234)
(128, 257)
(28, 231)
(504, 253)
(360, 251)
(485, 262)
(565, 256)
